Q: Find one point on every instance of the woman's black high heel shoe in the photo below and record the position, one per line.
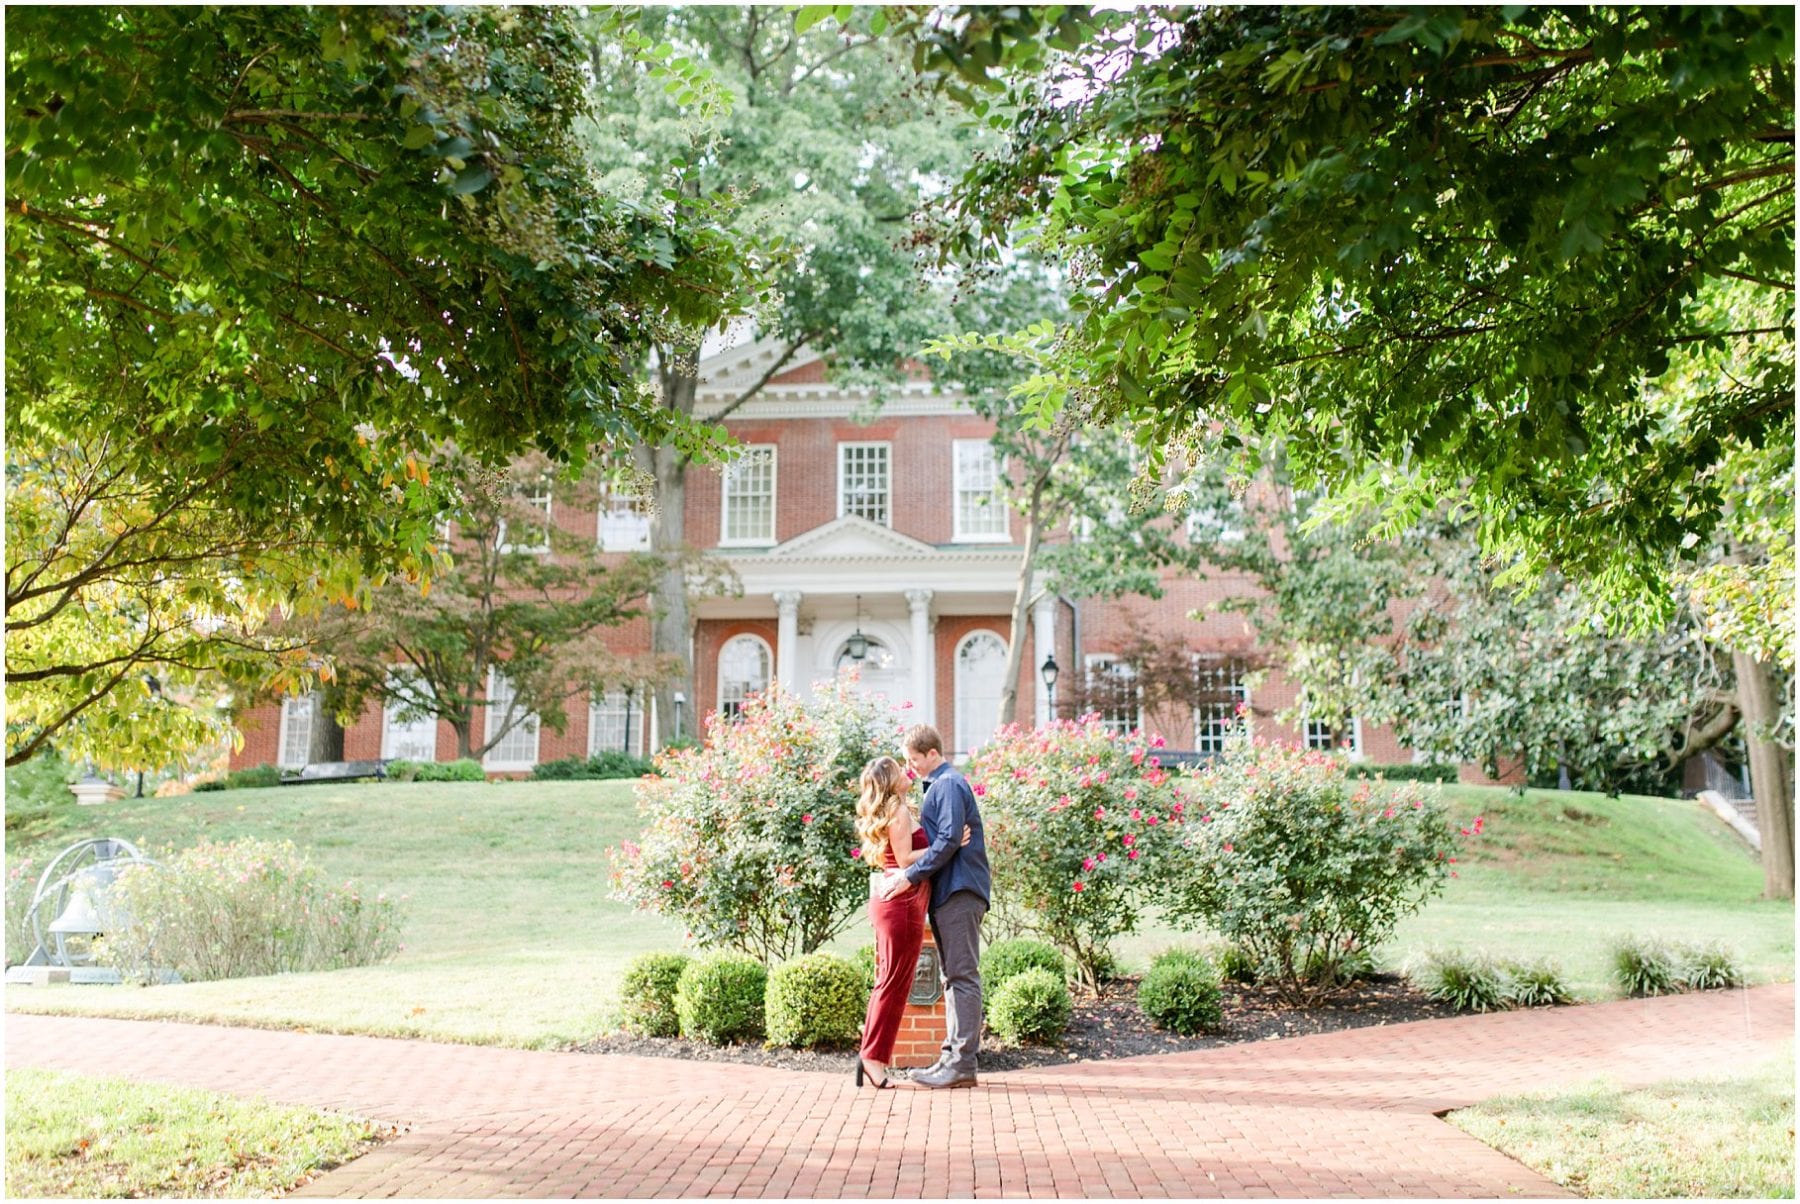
(883, 1085)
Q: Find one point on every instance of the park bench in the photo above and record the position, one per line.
(336, 771)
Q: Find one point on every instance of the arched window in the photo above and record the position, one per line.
(743, 670)
(877, 672)
(980, 678)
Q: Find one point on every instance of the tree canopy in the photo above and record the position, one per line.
(261, 264)
(1441, 253)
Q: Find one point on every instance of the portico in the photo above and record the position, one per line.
(933, 619)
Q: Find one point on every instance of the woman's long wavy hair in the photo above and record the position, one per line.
(884, 788)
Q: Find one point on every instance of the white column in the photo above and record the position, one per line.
(1043, 640)
(924, 654)
(787, 636)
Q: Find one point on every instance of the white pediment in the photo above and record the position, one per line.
(737, 368)
(850, 538)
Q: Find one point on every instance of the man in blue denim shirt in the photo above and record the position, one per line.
(960, 892)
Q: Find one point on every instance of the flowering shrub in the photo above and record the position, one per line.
(1074, 813)
(750, 841)
(21, 885)
(248, 907)
(1301, 868)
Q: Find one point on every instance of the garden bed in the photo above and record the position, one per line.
(1108, 1027)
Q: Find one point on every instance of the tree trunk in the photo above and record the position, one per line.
(465, 743)
(1770, 773)
(1015, 648)
(327, 743)
(671, 633)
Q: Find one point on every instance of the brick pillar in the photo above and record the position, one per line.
(922, 1028)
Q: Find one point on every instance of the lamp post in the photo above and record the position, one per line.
(625, 740)
(1049, 673)
(680, 701)
(155, 688)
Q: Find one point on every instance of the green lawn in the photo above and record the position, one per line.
(510, 938)
(69, 1135)
(1725, 1136)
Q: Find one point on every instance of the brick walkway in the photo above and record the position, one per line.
(1342, 1114)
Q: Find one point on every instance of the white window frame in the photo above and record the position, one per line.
(389, 722)
(1097, 660)
(960, 535)
(492, 759)
(887, 480)
(1239, 689)
(286, 756)
(1310, 738)
(721, 702)
(616, 527)
(726, 540)
(540, 493)
(608, 705)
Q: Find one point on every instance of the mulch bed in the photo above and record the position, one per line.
(1107, 1027)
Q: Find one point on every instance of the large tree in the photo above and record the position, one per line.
(525, 597)
(1471, 253)
(261, 263)
(826, 150)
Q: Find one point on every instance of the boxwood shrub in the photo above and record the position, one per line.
(1003, 960)
(816, 999)
(1032, 1005)
(1181, 993)
(719, 998)
(647, 995)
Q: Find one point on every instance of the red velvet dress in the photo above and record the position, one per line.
(899, 925)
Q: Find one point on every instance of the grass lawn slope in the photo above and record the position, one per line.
(510, 938)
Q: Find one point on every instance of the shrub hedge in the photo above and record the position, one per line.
(647, 994)
(815, 999)
(1033, 1005)
(719, 999)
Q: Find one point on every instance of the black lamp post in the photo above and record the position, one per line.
(155, 688)
(1049, 672)
(680, 701)
(625, 744)
(859, 643)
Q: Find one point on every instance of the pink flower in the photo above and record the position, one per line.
(1088, 863)
(1136, 814)
(1085, 782)
(1100, 778)
(1228, 846)
(980, 790)
(1156, 742)
(1130, 840)
(807, 818)
(1101, 856)
(1388, 814)
(857, 852)
(667, 885)
(1417, 805)
(1099, 812)
(1153, 821)
(1175, 810)
(1080, 886)
(1133, 854)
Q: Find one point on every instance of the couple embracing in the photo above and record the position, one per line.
(936, 870)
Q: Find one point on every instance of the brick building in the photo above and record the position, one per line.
(839, 525)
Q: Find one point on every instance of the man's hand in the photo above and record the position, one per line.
(892, 883)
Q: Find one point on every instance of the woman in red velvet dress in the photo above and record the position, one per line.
(891, 837)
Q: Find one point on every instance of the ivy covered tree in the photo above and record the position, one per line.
(262, 263)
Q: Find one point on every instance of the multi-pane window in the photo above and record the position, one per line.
(533, 534)
(750, 497)
(407, 733)
(296, 731)
(863, 481)
(616, 722)
(743, 671)
(1221, 685)
(1319, 736)
(980, 494)
(518, 748)
(624, 522)
(1113, 692)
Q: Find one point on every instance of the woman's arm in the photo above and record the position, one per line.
(900, 840)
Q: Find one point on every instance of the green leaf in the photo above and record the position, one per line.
(472, 178)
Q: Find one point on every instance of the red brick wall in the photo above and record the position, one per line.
(921, 464)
